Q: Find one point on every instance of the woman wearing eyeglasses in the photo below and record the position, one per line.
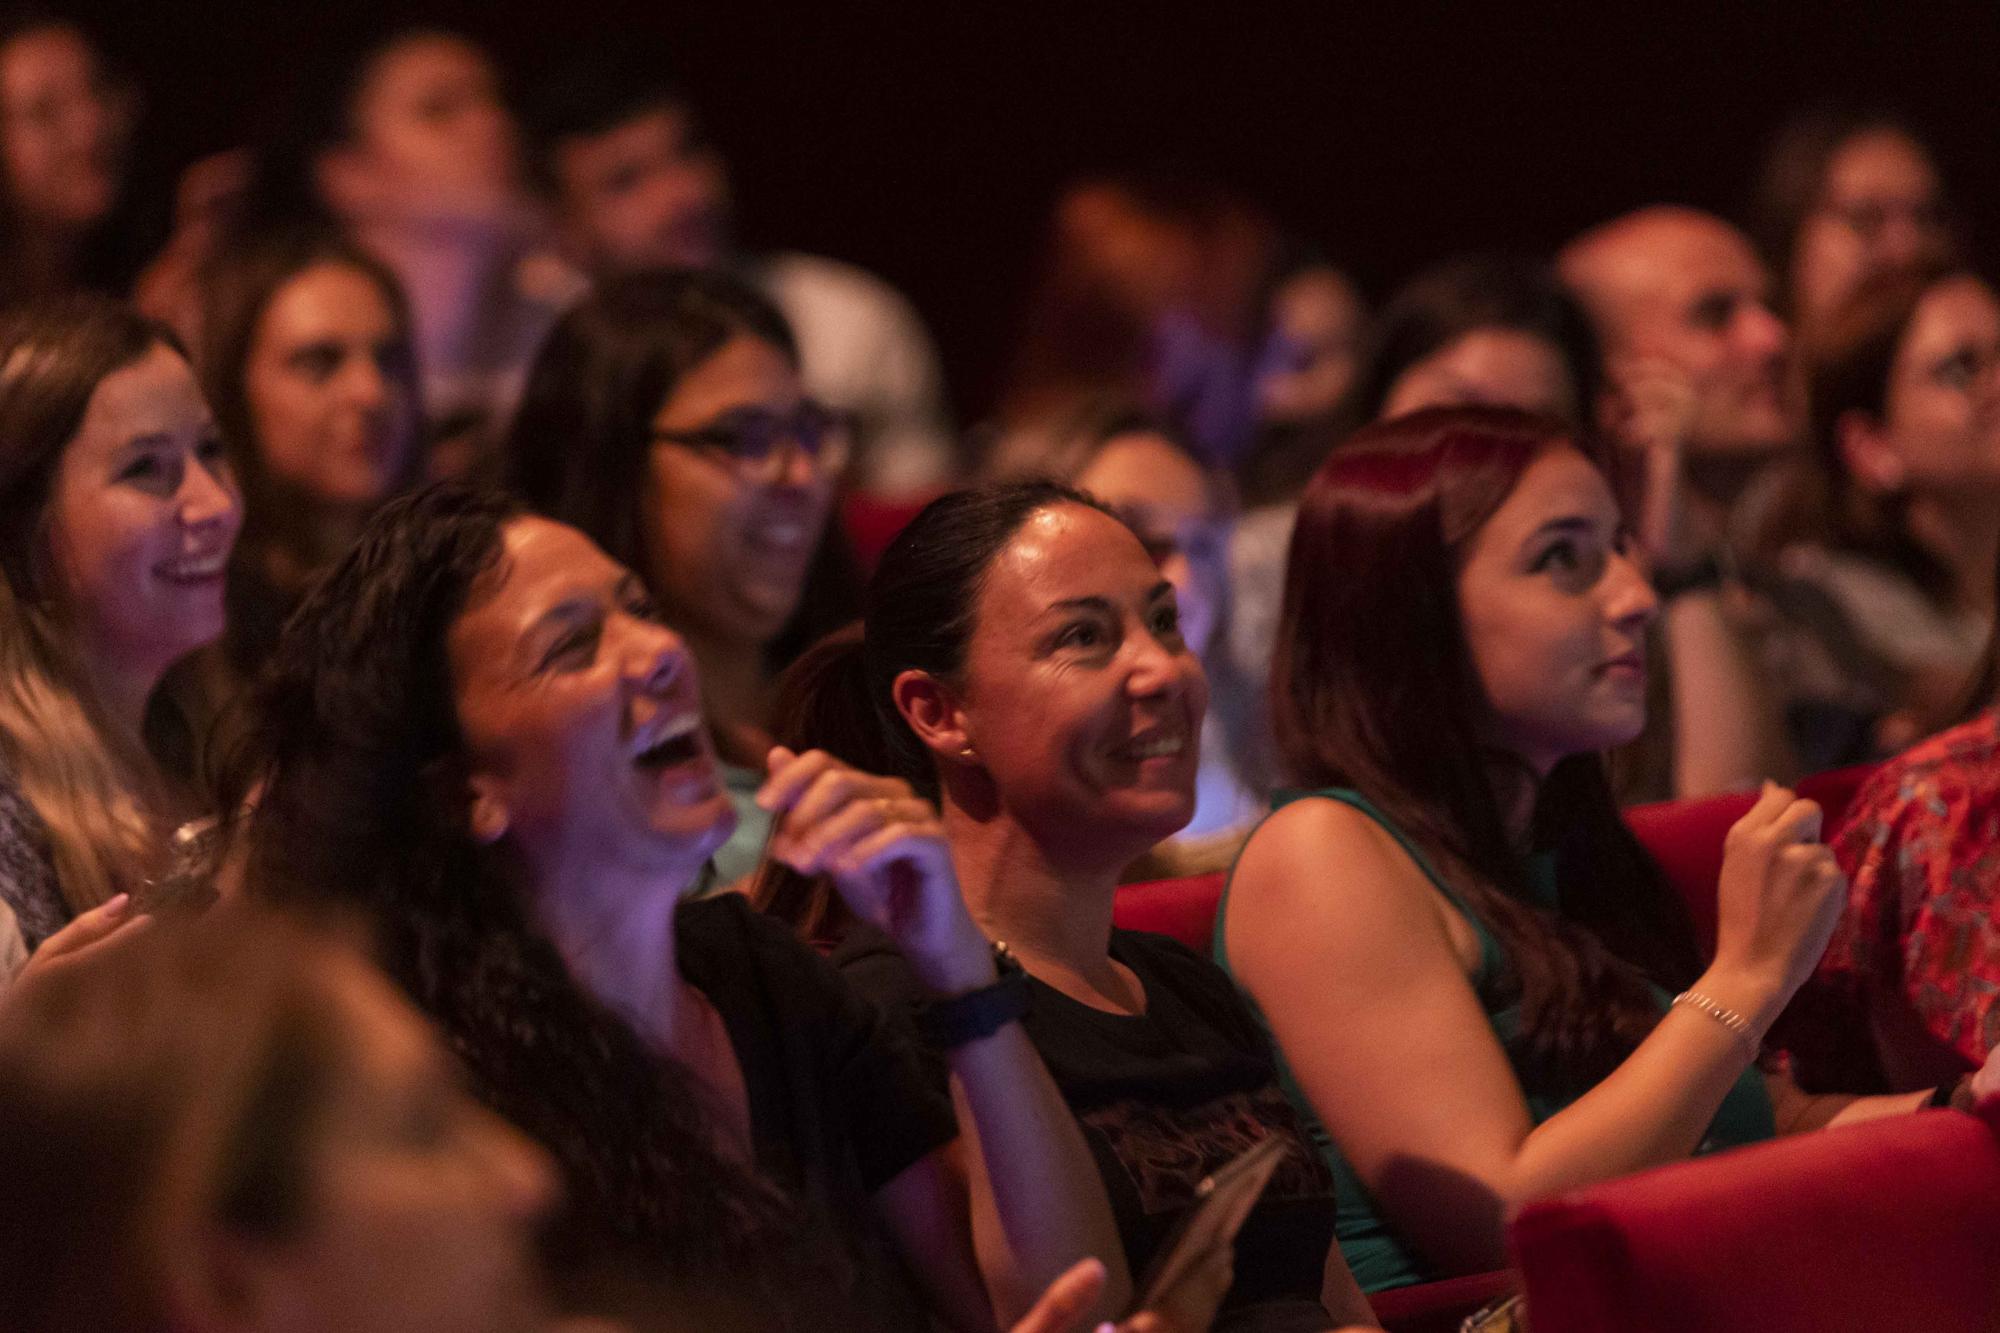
(665, 417)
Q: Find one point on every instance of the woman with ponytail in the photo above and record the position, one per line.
(1021, 664)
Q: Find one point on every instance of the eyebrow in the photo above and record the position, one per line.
(1568, 523)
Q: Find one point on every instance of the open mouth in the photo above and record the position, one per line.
(1156, 745)
(679, 744)
(204, 569)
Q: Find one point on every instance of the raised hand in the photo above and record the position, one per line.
(1780, 894)
(100, 927)
(884, 848)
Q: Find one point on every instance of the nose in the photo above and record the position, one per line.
(364, 383)
(1760, 332)
(654, 656)
(208, 496)
(1629, 600)
(1901, 241)
(1153, 668)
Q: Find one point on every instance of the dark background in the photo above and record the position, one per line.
(925, 141)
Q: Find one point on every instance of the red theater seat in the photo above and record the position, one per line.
(1182, 908)
(1893, 1224)
(1685, 837)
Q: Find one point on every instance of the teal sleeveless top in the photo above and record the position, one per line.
(1370, 1245)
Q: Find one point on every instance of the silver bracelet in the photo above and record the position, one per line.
(1729, 1018)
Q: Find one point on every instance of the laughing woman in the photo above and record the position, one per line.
(117, 514)
(477, 730)
(665, 417)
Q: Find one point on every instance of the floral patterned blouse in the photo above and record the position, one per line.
(1921, 848)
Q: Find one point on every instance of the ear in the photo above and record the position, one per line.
(1869, 456)
(488, 815)
(932, 710)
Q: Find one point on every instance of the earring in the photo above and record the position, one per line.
(965, 753)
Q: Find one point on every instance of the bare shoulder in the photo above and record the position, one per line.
(1322, 866)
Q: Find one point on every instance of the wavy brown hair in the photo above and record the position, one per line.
(1373, 688)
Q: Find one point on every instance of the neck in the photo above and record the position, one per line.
(615, 930)
(1055, 917)
(122, 692)
(1962, 532)
(1517, 784)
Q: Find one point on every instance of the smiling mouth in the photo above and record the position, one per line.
(679, 743)
(1160, 745)
(205, 569)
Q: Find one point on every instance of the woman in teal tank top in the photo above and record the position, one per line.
(1482, 988)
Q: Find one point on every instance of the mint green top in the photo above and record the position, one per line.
(1377, 1255)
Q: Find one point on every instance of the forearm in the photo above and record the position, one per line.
(1655, 1107)
(1726, 729)
(1798, 1111)
(1038, 1204)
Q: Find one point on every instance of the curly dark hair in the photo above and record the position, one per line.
(352, 760)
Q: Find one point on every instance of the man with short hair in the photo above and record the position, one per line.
(637, 186)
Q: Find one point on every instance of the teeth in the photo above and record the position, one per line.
(1160, 747)
(207, 567)
(681, 727)
(782, 534)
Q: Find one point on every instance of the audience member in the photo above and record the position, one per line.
(308, 365)
(68, 219)
(1702, 401)
(1152, 291)
(1030, 600)
(637, 185)
(1843, 195)
(239, 1125)
(409, 146)
(117, 514)
(1181, 512)
(1884, 616)
(666, 418)
(1463, 952)
(476, 730)
(1315, 325)
(1479, 329)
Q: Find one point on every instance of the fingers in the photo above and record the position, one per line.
(89, 928)
(836, 844)
(1066, 1300)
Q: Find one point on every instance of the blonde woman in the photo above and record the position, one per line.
(117, 516)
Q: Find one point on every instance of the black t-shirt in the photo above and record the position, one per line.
(839, 1103)
(1165, 1098)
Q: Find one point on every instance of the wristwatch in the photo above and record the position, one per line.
(945, 1024)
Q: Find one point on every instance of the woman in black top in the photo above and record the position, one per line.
(1022, 665)
(476, 730)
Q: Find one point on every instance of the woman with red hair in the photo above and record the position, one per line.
(1468, 962)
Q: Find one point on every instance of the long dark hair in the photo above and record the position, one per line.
(1373, 687)
(917, 616)
(582, 436)
(356, 744)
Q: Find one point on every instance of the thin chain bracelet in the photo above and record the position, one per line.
(1729, 1018)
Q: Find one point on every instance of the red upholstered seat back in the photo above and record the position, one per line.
(1182, 908)
(1685, 837)
(1892, 1224)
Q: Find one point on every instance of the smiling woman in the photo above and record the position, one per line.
(117, 514)
(665, 417)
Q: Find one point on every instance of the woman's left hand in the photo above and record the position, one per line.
(885, 850)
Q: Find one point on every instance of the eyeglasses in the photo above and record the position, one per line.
(751, 439)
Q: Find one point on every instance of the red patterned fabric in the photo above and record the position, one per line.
(1921, 848)
(1884, 1225)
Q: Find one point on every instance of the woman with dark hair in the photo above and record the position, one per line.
(117, 514)
(476, 730)
(1843, 195)
(67, 220)
(306, 359)
(1888, 598)
(666, 418)
(1464, 954)
(1488, 329)
(1028, 600)
(238, 1124)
